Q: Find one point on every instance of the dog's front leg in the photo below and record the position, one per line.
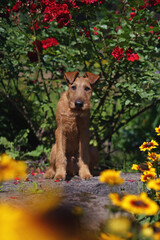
(61, 161)
(83, 162)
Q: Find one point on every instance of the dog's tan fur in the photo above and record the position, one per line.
(71, 152)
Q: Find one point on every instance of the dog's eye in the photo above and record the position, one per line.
(87, 89)
(73, 87)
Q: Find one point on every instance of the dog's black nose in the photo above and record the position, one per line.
(79, 104)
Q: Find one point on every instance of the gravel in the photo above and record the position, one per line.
(91, 195)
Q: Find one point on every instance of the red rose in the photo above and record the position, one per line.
(49, 42)
(131, 56)
(151, 27)
(16, 7)
(150, 3)
(132, 15)
(153, 3)
(60, 12)
(33, 8)
(93, 1)
(45, 2)
(35, 25)
(118, 53)
(95, 31)
(47, 18)
(62, 15)
(87, 34)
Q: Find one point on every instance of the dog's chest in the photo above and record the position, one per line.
(70, 126)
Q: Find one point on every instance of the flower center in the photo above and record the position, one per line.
(3, 167)
(139, 203)
(148, 145)
(150, 176)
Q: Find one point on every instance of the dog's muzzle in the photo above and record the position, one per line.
(78, 104)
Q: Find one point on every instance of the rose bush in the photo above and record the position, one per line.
(42, 39)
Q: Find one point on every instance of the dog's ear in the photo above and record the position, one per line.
(93, 78)
(70, 77)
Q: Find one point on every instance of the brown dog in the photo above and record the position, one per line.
(72, 152)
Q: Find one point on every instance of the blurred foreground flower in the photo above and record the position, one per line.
(119, 226)
(116, 199)
(9, 168)
(135, 204)
(147, 231)
(111, 177)
(151, 231)
(148, 145)
(17, 224)
(156, 228)
(139, 204)
(46, 218)
(110, 237)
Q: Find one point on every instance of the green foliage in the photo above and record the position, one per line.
(35, 188)
(39, 151)
(30, 89)
(14, 148)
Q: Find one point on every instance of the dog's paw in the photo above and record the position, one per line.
(85, 174)
(60, 176)
(50, 173)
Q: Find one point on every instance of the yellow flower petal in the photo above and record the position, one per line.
(10, 168)
(157, 130)
(148, 145)
(139, 204)
(111, 177)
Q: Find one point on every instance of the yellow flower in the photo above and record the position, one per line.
(111, 177)
(157, 197)
(119, 226)
(110, 237)
(156, 228)
(153, 156)
(142, 167)
(135, 167)
(115, 199)
(9, 168)
(157, 236)
(148, 145)
(157, 130)
(154, 184)
(148, 175)
(139, 204)
(17, 224)
(147, 231)
(145, 167)
(150, 165)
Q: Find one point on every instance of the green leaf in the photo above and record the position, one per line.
(103, 26)
(127, 102)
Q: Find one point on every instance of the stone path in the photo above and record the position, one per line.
(91, 195)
